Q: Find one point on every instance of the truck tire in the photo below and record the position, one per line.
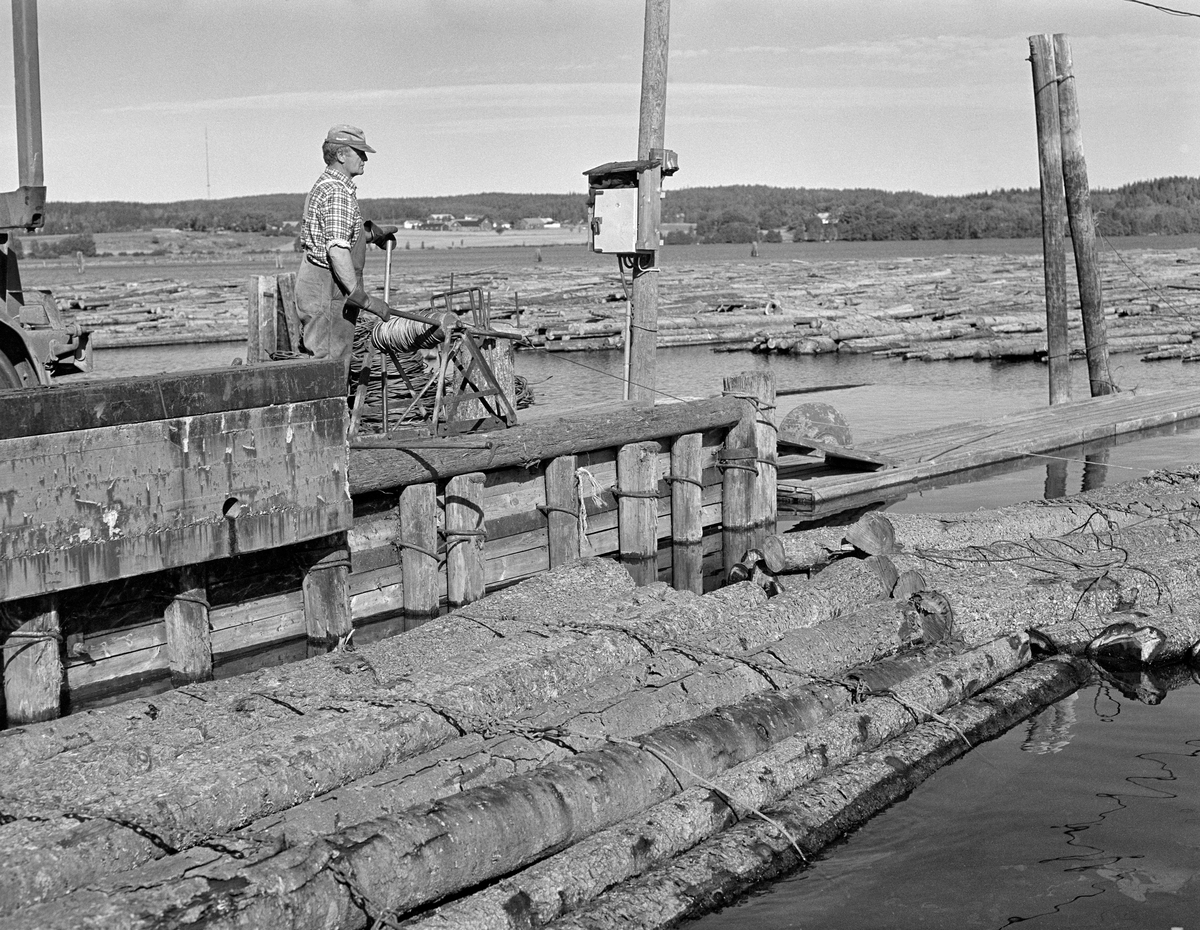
(15, 375)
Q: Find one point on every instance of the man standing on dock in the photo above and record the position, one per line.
(329, 288)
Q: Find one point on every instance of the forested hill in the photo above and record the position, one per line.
(732, 213)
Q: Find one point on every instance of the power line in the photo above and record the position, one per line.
(1164, 9)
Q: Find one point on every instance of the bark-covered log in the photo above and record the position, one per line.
(753, 851)
(568, 880)
(682, 680)
(454, 843)
(144, 800)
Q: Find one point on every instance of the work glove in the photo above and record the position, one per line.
(379, 236)
(360, 299)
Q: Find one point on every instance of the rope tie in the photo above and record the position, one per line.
(400, 544)
(645, 495)
(36, 636)
(738, 459)
(671, 479)
(547, 509)
(755, 402)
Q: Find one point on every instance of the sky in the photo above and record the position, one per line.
(163, 101)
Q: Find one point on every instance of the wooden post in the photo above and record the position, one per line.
(1045, 100)
(262, 321)
(744, 513)
(290, 324)
(326, 590)
(189, 636)
(760, 386)
(562, 510)
(637, 509)
(418, 552)
(687, 523)
(464, 538)
(651, 131)
(33, 666)
(1083, 223)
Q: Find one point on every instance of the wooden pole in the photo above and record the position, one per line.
(1045, 100)
(1083, 223)
(418, 557)
(562, 510)
(687, 519)
(189, 636)
(33, 668)
(464, 539)
(651, 131)
(637, 510)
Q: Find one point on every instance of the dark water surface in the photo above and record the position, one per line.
(1085, 815)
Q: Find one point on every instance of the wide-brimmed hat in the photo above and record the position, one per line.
(345, 134)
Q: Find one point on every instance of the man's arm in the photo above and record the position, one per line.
(342, 267)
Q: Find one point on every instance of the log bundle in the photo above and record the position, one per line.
(577, 750)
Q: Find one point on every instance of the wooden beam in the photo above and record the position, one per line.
(464, 539)
(637, 508)
(33, 668)
(189, 636)
(562, 509)
(120, 401)
(1045, 99)
(687, 527)
(1083, 223)
(121, 501)
(418, 552)
(375, 469)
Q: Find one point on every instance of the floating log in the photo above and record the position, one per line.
(569, 880)
(754, 851)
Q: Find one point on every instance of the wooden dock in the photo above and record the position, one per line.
(816, 482)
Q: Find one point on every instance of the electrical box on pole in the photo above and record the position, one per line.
(624, 203)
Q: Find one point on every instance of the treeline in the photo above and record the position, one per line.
(736, 213)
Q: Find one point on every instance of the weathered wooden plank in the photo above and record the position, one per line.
(118, 401)
(618, 424)
(257, 623)
(33, 668)
(116, 502)
(419, 548)
(464, 539)
(376, 593)
(134, 651)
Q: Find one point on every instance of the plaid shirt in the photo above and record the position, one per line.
(331, 216)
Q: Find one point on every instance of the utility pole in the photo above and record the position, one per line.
(643, 331)
(1054, 259)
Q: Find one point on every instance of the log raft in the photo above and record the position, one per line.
(554, 707)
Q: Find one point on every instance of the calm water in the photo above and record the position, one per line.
(1085, 815)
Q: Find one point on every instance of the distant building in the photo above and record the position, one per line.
(537, 222)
